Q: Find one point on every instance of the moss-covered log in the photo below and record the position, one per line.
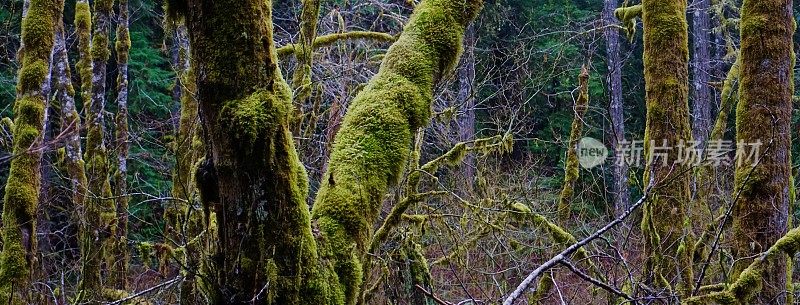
(571, 166)
(665, 225)
(374, 141)
(18, 258)
(761, 185)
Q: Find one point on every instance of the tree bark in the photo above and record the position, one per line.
(668, 241)
(18, 258)
(120, 256)
(571, 166)
(615, 108)
(764, 114)
(100, 212)
(373, 144)
(70, 119)
(466, 102)
(701, 69)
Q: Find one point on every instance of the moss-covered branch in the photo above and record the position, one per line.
(330, 39)
(301, 76)
(628, 15)
(571, 166)
(18, 258)
(372, 145)
(749, 283)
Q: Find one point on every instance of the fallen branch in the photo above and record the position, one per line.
(596, 282)
(574, 248)
(146, 291)
(433, 297)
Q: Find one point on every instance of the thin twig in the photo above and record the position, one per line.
(596, 282)
(430, 295)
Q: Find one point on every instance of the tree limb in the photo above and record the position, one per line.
(574, 248)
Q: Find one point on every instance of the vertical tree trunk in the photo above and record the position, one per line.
(668, 241)
(183, 218)
(182, 182)
(18, 258)
(616, 110)
(120, 256)
(100, 212)
(70, 119)
(252, 177)
(764, 114)
(571, 166)
(466, 102)
(701, 69)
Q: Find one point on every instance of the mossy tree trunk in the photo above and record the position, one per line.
(120, 256)
(665, 224)
(571, 166)
(99, 222)
(373, 144)
(183, 217)
(18, 258)
(70, 119)
(252, 177)
(764, 114)
(185, 156)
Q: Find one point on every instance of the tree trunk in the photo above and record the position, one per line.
(764, 115)
(18, 258)
(252, 177)
(183, 218)
(70, 119)
(120, 256)
(571, 166)
(466, 102)
(668, 241)
(701, 69)
(373, 144)
(615, 108)
(100, 212)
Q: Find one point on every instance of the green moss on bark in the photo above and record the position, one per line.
(372, 146)
(665, 223)
(760, 215)
(18, 258)
(571, 166)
